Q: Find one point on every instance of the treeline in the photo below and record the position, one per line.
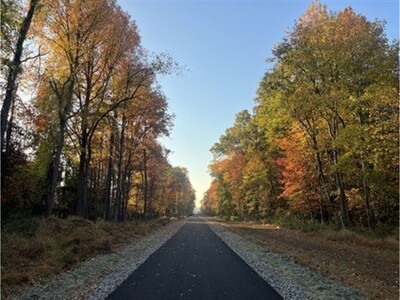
(81, 115)
(322, 143)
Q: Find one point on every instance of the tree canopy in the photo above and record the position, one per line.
(322, 142)
(85, 141)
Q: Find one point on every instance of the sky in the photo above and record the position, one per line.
(223, 45)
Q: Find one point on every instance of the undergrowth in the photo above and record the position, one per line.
(381, 231)
(380, 237)
(32, 248)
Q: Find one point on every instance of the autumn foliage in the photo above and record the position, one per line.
(322, 142)
(85, 114)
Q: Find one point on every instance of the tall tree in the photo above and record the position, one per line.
(14, 66)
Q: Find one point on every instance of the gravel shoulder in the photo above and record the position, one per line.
(293, 263)
(100, 275)
(291, 280)
(369, 265)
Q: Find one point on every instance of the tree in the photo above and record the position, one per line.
(65, 27)
(324, 114)
(321, 69)
(14, 66)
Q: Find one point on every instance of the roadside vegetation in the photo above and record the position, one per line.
(33, 248)
(313, 172)
(368, 264)
(320, 149)
(82, 168)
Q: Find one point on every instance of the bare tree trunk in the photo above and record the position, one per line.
(309, 127)
(127, 181)
(64, 109)
(81, 209)
(370, 218)
(9, 132)
(15, 68)
(151, 196)
(127, 189)
(120, 187)
(271, 193)
(53, 168)
(333, 130)
(344, 213)
(107, 189)
(322, 186)
(145, 187)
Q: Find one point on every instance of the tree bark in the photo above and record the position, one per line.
(370, 218)
(145, 184)
(9, 133)
(333, 130)
(15, 68)
(53, 169)
(82, 184)
(344, 213)
(120, 186)
(107, 189)
(309, 127)
(366, 190)
(81, 207)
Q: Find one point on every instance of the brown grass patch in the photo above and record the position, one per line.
(368, 264)
(32, 249)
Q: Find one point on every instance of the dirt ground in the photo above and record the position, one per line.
(370, 265)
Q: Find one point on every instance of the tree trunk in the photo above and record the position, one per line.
(63, 112)
(9, 133)
(107, 189)
(370, 218)
(81, 209)
(344, 213)
(321, 177)
(15, 68)
(53, 169)
(127, 190)
(309, 128)
(84, 162)
(145, 187)
(120, 186)
(271, 193)
(333, 130)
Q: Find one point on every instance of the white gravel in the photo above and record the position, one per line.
(289, 279)
(99, 276)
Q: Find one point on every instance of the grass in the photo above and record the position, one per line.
(33, 248)
(366, 260)
(290, 222)
(382, 237)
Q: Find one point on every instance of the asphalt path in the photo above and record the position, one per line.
(194, 264)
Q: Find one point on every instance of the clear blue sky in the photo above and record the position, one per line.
(224, 44)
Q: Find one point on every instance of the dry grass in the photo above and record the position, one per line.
(369, 264)
(350, 237)
(32, 249)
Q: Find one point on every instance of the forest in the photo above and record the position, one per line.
(322, 143)
(303, 200)
(82, 114)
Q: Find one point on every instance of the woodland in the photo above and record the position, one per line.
(83, 171)
(81, 115)
(322, 143)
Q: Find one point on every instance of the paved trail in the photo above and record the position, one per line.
(194, 264)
